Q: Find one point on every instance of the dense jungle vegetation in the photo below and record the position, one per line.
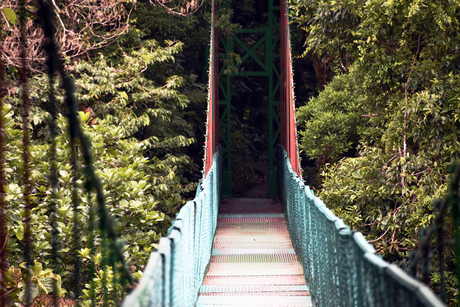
(141, 82)
(378, 110)
(384, 127)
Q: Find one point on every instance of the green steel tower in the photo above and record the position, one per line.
(268, 39)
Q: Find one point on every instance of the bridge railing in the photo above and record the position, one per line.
(341, 268)
(175, 272)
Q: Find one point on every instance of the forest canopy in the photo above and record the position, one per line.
(140, 105)
(384, 128)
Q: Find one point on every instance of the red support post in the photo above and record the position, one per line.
(288, 131)
(212, 122)
(216, 87)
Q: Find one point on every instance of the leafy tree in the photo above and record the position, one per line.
(386, 125)
(134, 97)
(139, 191)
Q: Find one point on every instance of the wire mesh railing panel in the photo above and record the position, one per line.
(340, 266)
(346, 276)
(374, 286)
(361, 247)
(165, 254)
(175, 272)
(186, 215)
(405, 289)
(401, 288)
(330, 281)
(149, 292)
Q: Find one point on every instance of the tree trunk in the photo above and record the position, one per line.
(322, 70)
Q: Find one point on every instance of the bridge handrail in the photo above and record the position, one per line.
(341, 268)
(175, 272)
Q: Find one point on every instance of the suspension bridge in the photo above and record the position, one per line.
(287, 249)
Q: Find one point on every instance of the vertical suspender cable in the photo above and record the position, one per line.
(440, 247)
(74, 134)
(104, 266)
(113, 264)
(76, 234)
(107, 224)
(92, 268)
(3, 229)
(51, 62)
(455, 209)
(25, 143)
(53, 167)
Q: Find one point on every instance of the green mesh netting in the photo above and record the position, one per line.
(340, 267)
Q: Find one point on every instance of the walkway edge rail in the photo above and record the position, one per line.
(341, 268)
(175, 272)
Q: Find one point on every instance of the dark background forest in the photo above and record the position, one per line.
(378, 109)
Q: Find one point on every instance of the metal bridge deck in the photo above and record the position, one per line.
(253, 262)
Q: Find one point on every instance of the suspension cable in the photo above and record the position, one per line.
(51, 50)
(25, 143)
(3, 228)
(106, 222)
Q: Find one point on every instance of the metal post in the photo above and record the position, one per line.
(227, 132)
(273, 84)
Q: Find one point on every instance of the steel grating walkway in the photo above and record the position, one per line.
(253, 262)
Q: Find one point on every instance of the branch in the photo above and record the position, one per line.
(8, 292)
(378, 239)
(6, 19)
(371, 115)
(189, 9)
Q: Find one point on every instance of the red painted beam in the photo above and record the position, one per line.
(288, 131)
(212, 122)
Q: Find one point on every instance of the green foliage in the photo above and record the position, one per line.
(10, 15)
(330, 122)
(29, 282)
(386, 126)
(136, 111)
(135, 189)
